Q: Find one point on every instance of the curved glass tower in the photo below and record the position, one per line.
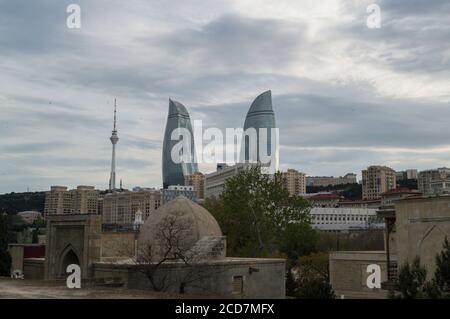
(174, 171)
(260, 140)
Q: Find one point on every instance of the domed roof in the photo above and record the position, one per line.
(187, 217)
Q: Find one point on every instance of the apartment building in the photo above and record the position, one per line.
(377, 180)
(82, 200)
(434, 181)
(197, 180)
(120, 208)
(294, 181)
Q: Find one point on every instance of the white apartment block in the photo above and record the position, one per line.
(215, 182)
(344, 219)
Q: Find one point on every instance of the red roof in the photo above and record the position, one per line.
(324, 196)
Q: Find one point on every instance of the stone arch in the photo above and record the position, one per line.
(429, 245)
(68, 256)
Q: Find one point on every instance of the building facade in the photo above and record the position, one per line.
(323, 199)
(434, 181)
(215, 182)
(82, 200)
(294, 181)
(377, 180)
(349, 178)
(120, 208)
(174, 170)
(344, 219)
(197, 180)
(173, 191)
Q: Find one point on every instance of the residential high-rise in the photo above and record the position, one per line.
(120, 208)
(377, 180)
(174, 170)
(261, 118)
(114, 139)
(197, 180)
(82, 200)
(294, 181)
(434, 181)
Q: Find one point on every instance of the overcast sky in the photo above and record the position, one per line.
(345, 96)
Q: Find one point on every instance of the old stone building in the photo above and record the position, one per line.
(195, 263)
(414, 226)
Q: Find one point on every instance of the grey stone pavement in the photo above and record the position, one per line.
(30, 289)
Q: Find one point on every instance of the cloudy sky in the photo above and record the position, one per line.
(345, 95)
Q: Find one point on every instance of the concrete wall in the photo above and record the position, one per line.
(16, 252)
(213, 278)
(33, 268)
(348, 273)
(421, 226)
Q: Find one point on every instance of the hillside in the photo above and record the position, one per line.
(13, 203)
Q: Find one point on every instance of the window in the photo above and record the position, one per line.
(238, 285)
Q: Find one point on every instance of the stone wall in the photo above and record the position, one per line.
(118, 244)
(348, 273)
(262, 278)
(16, 252)
(421, 226)
(33, 268)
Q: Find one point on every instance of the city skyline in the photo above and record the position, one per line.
(346, 96)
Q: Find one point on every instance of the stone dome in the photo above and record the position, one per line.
(196, 223)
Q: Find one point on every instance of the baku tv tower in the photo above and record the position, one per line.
(114, 139)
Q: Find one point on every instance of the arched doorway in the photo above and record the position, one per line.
(69, 257)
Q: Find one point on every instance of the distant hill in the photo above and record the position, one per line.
(13, 203)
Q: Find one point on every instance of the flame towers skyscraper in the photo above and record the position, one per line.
(261, 118)
(174, 172)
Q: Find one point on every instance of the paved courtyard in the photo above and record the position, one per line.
(30, 289)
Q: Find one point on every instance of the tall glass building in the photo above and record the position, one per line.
(174, 172)
(260, 116)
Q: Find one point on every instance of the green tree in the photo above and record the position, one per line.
(298, 239)
(439, 287)
(411, 281)
(256, 213)
(313, 277)
(5, 258)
